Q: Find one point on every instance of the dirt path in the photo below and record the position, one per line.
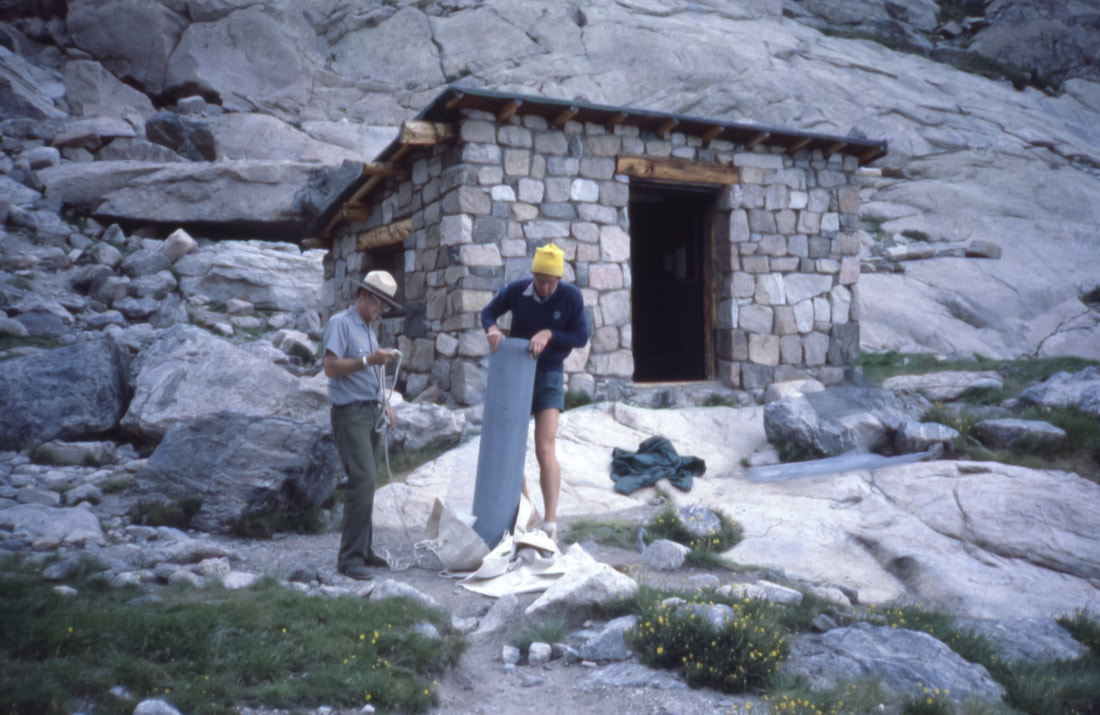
(482, 683)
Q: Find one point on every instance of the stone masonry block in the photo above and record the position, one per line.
(844, 344)
(513, 136)
(456, 229)
(761, 221)
(517, 162)
(790, 350)
(758, 160)
(605, 276)
(584, 190)
(481, 254)
(756, 318)
(815, 347)
(614, 244)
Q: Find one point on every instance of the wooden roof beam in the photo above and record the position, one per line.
(800, 144)
(509, 109)
(871, 154)
(758, 138)
(614, 120)
(453, 101)
(564, 116)
(666, 127)
(417, 132)
(833, 148)
(711, 134)
(681, 170)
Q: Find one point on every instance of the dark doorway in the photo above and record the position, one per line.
(670, 263)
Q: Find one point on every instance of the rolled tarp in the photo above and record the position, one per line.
(505, 420)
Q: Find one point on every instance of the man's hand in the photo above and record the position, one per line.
(381, 356)
(539, 342)
(495, 338)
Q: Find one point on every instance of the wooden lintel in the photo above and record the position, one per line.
(799, 144)
(453, 101)
(757, 138)
(417, 132)
(666, 127)
(711, 134)
(674, 169)
(614, 120)
(383, 235)
(833, 149)
(509, 109)
(565, 116)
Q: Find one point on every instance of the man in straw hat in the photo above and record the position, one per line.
(550, 314)
(354, 364)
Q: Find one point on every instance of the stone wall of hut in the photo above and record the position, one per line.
(786, 251)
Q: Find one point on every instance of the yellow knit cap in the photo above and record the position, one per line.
(549, 260)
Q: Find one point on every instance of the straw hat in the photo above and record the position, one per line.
(381, 285)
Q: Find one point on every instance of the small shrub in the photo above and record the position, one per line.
(577, 398)
(293, 519)
(160, 513)
(1092, 296)
(741, 654)
(116, 485)
(1085, 628)
(668, 524)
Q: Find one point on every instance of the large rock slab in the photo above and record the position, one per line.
(838, 420)
(244, 192)
(944, 386)
(270, 276)
(238, 465)
(45, 527)
(903, 661)
(69, 393)
(188, 373)
(1065, 389)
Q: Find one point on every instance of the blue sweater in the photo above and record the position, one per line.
(562, 313)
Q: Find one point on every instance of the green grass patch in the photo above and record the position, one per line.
(716, 399)
(548, 631)
(209, 651)
(618, 534)
(1085, 629)
(1016, 374)
(293, 519)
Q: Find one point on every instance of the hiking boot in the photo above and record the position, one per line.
(359, 572)
(377, 561)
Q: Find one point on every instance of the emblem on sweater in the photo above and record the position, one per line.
(557, 314)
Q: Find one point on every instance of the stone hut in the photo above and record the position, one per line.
(706, 250)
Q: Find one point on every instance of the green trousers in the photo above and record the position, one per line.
(357, 442)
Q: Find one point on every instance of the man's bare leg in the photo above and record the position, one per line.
(546, 432)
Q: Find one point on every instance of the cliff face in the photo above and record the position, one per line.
(213, 115)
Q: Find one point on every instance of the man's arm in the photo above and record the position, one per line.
(343, 366)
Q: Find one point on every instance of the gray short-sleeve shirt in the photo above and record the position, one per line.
(346, 335)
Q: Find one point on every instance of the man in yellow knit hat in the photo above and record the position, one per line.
(549, 313)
